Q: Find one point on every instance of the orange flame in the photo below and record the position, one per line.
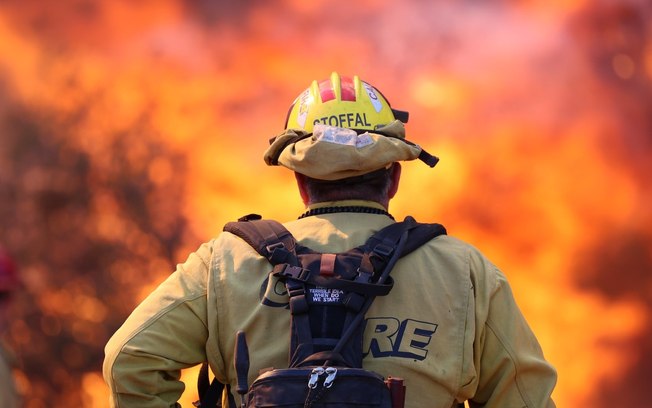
(537, 164)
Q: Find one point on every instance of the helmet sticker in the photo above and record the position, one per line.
(341, 136)
(345, 120)
(304, 102)
(371, 92)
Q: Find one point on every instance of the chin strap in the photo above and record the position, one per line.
(428, 158)
(424, 156)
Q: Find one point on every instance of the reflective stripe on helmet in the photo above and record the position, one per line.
(343, 102)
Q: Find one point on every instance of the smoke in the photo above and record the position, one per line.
(132, 132)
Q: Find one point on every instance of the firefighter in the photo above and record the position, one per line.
(450, 326)
(8, 284)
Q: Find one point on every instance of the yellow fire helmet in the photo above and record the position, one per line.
(342, 128)
(342, 102)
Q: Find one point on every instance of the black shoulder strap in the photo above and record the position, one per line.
(268, 237)
(381, 252)
(418, 234)
(380, 246)
(273, 241)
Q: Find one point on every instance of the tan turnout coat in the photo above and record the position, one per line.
(450, 326)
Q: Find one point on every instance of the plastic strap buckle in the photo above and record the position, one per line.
(270, 248)
(384, 250)
(291, 272)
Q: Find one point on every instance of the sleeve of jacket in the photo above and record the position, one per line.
(512, 369)
(166, 333)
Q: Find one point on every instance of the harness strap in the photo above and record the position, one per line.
(392, 241)
(382, 251)
(301, 333)
(381, 245)
(295, 273)
(211, 394)
(268, 237)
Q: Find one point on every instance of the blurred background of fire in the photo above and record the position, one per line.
(130, 132)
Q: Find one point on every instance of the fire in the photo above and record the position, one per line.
(538, 112)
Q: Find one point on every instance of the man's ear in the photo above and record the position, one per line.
(396, 177)
(303, 191)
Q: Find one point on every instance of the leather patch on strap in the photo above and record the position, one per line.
(327, 265)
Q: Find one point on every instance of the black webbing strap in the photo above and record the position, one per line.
(210, 394)
(397, 238)
(419, 234)
(380, 246)
(381, 252)
(265, 236)
(295, 273)
(273, 241)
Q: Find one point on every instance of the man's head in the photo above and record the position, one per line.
(379, 186)
(343, 138)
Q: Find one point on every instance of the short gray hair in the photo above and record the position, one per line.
(374, 188)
